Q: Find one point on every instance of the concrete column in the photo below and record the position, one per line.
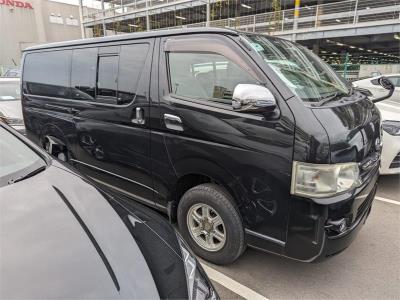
(83, 34)
(148, 27)
(296, 17)
(208, 13)
(103, 20)
(355, 20)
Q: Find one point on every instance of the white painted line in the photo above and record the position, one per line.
(387, 200)
(232, 285)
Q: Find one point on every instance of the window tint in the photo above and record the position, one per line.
(47, 73)
(107, 79)
(83, 74)
(205, 76)
(131, 63)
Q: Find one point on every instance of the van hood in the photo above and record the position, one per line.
(353, 129)
(62, 238)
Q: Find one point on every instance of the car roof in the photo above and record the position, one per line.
(131, 36)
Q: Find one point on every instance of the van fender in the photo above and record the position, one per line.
(216, 173)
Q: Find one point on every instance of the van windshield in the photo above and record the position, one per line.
(304, 73)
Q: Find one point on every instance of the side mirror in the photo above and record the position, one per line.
(253, 98)
(386, 84)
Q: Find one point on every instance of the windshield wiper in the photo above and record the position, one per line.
(326, 100)
(30, 174)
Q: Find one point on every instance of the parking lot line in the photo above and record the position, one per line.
(387, 200)
(232, 285)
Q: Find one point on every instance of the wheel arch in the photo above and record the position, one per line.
(194, 171)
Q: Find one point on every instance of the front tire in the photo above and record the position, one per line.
(211, 224)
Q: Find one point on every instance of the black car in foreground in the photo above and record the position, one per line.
(62, 237)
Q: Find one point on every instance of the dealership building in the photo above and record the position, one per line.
(30, 22)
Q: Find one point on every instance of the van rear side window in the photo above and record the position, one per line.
(86, 75)
(107, 79)
(83, 74)
(47, 73)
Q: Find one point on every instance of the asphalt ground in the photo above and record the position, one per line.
(368, 269)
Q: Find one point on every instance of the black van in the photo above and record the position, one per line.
(242, 138)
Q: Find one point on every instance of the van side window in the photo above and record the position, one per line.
(131, 63)
(47, 73)
(205, 76)
(83, 74)
(107, 75)
(118, 75)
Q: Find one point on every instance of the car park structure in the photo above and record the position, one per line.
(348, 34)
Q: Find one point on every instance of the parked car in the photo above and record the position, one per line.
(242, 138)
(63, 237)
(12, 73)
(390, 112)
(10, 103)
(377, 90)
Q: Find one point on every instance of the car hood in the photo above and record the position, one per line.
(353, 130)
(390, 110)
(11, 109)
(61, 237)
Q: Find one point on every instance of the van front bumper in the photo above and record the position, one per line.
(310, 235)
(336, 243)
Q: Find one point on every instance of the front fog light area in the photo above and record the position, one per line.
(323, 180)
(199, 287)
(337, 226)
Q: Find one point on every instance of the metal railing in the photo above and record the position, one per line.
(134, 7)
(350, 12)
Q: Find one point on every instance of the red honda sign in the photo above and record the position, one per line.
(21, 4)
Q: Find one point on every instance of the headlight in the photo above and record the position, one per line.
(391, 127)
(199, 287)
(323, 180)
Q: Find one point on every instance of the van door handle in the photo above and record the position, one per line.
(173, 122)
(139, 118)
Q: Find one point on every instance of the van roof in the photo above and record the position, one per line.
(131, 36)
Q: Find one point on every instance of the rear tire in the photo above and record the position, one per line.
(211, 224)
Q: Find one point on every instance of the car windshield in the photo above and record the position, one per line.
(9, 91)
(17, 160)
(303, 72)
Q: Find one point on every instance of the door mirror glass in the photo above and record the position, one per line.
(253, 98)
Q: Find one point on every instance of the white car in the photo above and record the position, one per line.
(390, 112)
(377, 90)
(10, 103)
